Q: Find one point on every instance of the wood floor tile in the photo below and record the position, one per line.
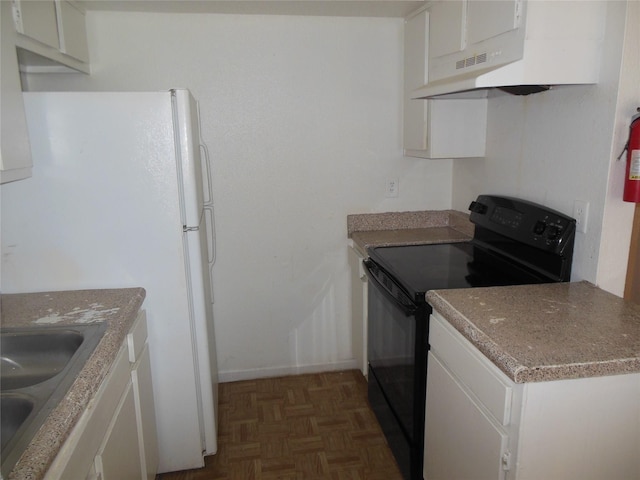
(301, 427)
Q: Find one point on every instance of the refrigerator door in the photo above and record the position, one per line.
(196, 244)
(187, 130)
(102, 210)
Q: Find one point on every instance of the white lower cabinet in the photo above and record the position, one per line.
(458, 424)
(481, 425)
(145, 415)
(115, 438)
(116, 458)
(359, 286)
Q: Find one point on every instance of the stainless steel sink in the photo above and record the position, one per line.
(39, 365)
(15, 409)
(29, 358)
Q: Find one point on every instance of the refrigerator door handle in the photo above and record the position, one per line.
(207, 161)
(210, 225)
(206, 165)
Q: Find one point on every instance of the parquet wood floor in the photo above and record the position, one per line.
(302, 427)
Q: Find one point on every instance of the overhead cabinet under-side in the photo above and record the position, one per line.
(510, 43)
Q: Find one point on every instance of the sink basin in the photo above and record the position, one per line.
(14, 410)
(39, 365)
(28, 358)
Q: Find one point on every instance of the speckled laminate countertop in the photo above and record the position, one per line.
(408, 228)
(117, 307)
(538, 333)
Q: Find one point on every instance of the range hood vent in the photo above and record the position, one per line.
(519, 46)
(471, 61)
(525, 89)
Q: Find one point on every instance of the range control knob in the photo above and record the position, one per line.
(539, 227)
(553, 232)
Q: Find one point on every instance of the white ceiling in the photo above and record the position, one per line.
(348, 8)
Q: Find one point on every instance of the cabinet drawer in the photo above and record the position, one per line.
(472, 369)
(137, 337)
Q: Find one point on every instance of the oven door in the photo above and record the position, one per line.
(397, 349)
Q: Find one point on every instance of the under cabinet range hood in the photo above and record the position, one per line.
(522, 46)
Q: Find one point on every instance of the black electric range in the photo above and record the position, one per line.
(515, 242)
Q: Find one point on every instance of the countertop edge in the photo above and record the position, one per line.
(505, 362)
(509, 364)
(45, 445)
(423, 219)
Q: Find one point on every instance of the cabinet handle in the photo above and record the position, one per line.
(506, 461)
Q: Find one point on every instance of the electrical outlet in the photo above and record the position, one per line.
(391, 188)
(580, 213)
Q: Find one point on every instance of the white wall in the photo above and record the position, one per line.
(618, 215)
(557, 146)
(302, 116)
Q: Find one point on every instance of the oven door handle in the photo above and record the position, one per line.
(399, 298)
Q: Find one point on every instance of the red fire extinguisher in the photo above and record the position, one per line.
(632, 178)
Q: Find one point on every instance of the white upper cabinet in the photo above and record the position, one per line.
(476, 44)
(52, 35)
(73, 31)
(37, 20)
(489, 19)
(459, 27)
(416, 30)
(447, 34)
(15, 152)
(442, 128)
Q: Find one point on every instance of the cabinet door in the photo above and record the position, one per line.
(37, 19)
(51, 36)
(456, 128)
(359, 285)
(461, 441)
(73, 31)
(416, 34)
(15, 153)
(447, 27)
(119, 455)
(443, 128)
(145, 414)
(487, 19)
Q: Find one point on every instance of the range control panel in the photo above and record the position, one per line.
(524, 221)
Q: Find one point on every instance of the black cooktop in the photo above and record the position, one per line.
(419, 268)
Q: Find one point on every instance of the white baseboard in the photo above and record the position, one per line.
(255, 373)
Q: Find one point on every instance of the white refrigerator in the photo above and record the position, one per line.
(121, 196)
